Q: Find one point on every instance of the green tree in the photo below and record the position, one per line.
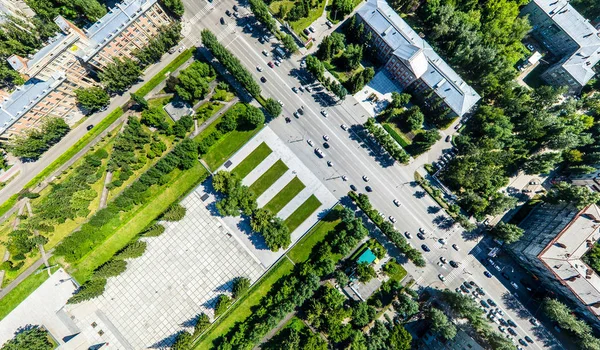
(509, 233)
(352, 56)
(289, 43)
(342, 7)
(365, 272)
(406, 306)
(154, 117)
(223, 303)
(132, 250)
(399, 338)
(423, 141)
(140, 100)
(413, 116)
(183, 341)
(202, 323)
(193, 81)
(252, 118)
(120, 74)
(576, 195)
(36, 141)
(315, 66)
(174, 212)
(92, 99)
(175, 6)
(110, 269)
(441, 324)
(89, 290)
(30, 338)
(342, 279)
(262, 14)
(240, 286)
(362, 314)
(273, 107)
(541, 163)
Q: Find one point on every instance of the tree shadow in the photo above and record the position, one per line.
(210, 303)
(225, 287)
(433, 209)
(190, 322)
(369, 144)
(420, 194)
(166, 342)
(513, 304)
(443, 222)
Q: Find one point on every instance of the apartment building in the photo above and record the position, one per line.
(556, 238)
(72, 54)
(15, 8)
(570, 37)
(412, 62)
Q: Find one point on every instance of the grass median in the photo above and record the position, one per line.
(268, 178)
(162, 75)
(243, 307)
(252, 160)
(302, 213)
(285, 195)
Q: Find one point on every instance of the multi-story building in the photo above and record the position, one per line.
(73, 53)
(411, 61)
(15, 8)
(556, 238)
(570, 37)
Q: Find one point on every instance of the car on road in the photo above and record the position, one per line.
(487, 274)
(491, 302)
(266, 53)
(319, 152)
(309, 141)
(523, 342)
(421, 230)
(480, 291)
(501, 329)
(530, 47)
(329, 163)
(425, 247)
(484, 304)
(443, 260)
(353, 188)
(534, 322)
(325, 137)
(453, 263)
(263, 79)
(235, 8)
(89, 127)
(365, 178)
(277, 63)
(295, 89)
(344, 177)
(420, 235)
(505, 275)
(408, 235)
(280, 103)
(259, 68)
(228, 13)
(325, 144)
(448, 138)
(455, 247)
(441, 277)
(288, 120)
(296, 115)
(515, 286)
(512, 332)
(312, 30)
(368, 189)
(344, 127)
(529, 340)
(392, 219)
(512, 323)
(329, 24)
(270, 64)
(442, 241)
(323, 112)
(306, 31)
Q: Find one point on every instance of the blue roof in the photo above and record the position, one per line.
(366, 257)
(24, 98)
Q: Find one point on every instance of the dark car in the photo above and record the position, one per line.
(425, 248)
(528, 339)
(466, 284)
(487, 274)
(420, 235)
(480, 291)
(464, 289)
(263, 79)
(484, 304)
(512, 332)
(523, 342)
(503, 322)
(473, 284)
(368, 189)
(353, 188)
(228, 13)
(301, 111)
(491, 302)
(453, 264)
(512, 323)
(235, 8)
(505, 275)
(325, 145)
(90, 127)
(288, 120)
(222, 20)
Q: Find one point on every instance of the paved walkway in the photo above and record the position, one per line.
(209, 121)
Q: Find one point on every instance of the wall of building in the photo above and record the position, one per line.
(547, 32)
(558, 76)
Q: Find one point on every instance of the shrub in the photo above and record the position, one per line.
(132, 250)
(240, 286)
(110, 269)
(91, 289)
(223, 303)
(175, 212)
(202, 324)
(154, 230)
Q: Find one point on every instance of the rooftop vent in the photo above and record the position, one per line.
(558, 244)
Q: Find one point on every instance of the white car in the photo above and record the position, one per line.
(329, 163)
(396, 202)
(408, 235)
(309, 141)
(323, 112)
(258, 68)
(325, 137)
(455, 247)
(344, 127)
(280, 103)
(441, 277)
(277, 63)
(365, 178)
(319, 152)
(392, 219)
(265, 52)
(442, 241)
(514, 285)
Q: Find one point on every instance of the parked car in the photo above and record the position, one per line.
(266, 53)
(420, 235)
(353, 188)
(529, 340)
(512, 332)
(235, 8)
(329, 163)
(523, 342)
(325, 137)
(263, 79)
(309, 141)
(222, 20)
(448, 138)
(228, 13)
(455, 247)
(425, 247)
(295, 89)
(365, 178)
(453, 263)
(484, 304)
(487, 274)
(512, 323)
(534, 322)
(368, 189)
(408, 235)
(312, 30)
(270, 64)
(491, 302)
(392, 219)
(319, 152)
(259, 68)
(443, 260)
(280, 103)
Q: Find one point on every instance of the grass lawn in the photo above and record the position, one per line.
(302, 213)
(162, 75)
(301, 251)
(285, 195)
(22, 291)
(243, 308)
(398, 271)
(397, 134)
(132, 223)
(268, 178)
(208, 109)
(252, 160)
(299, 25)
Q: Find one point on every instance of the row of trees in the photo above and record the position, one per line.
(231, 63)
(29, 337)
(238, 199)
(35, 142)
(98, 228)
(362, 200)
(386, 141)
(563, 315)
(317, 68)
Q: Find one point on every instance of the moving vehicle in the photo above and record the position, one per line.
(263, 79)
(396, 202)
(325, 137)
(259, 68)
(266, 53)
(222, 20)
(89, 127)
(270, 64)
(455, 247)
(365, 178)
(353, 188)
(319, 152)
(309, 141)
(323, 112)
(329, 163)
(280, 103)
(420, 235)
(514, 285)
(441, 277)
(344, 127)
(487, 274)
(368, 189)
(392, 219)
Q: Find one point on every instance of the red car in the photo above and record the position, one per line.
(271, 64)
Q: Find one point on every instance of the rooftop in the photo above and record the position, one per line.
(407, 44)
(580, 63)
(559, 236)
(366, 257)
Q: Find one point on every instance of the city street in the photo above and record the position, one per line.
(353, 155)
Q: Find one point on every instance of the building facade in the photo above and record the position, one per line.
(569, 37)
(15, 8)
(555, 239)
(72, 55)
(412, 62)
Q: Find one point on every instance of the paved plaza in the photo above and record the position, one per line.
(179, 276)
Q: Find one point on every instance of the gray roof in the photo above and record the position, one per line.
(439, 76)
(580, 63)
(115, 21)
(55, 42)
(24, 98)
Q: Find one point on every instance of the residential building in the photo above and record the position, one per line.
(15, 8)
(591, 180)
(556, 238)
(72, 54)
(568, 36)
(412, 62)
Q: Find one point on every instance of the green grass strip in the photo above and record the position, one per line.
(302, 213)
(243, 307)
(301, 251)
(252, 160)
(285, 195)
(402, 140)
(162, 75)
(22, 291)
(268, 178)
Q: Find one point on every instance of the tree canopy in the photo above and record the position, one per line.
(30, 338)
(93, 98)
